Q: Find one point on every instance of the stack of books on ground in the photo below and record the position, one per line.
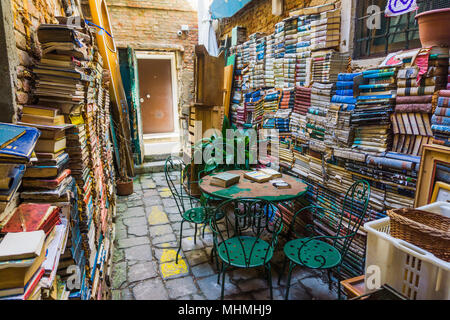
(34, 239)
(375, 103)
(423, 74)
(47, 178)
(441, 119)
(16, 151)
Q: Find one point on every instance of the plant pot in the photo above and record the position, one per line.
(124, 188)
(434, 28)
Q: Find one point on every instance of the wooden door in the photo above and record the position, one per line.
(155, 87)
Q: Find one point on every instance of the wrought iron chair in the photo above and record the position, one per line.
(327, 252)
(190, 208)
(247, 236)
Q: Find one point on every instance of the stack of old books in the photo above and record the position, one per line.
(298, 116)
(375, 104)
(269, 79)
(303, 67)
(290, 55)
(271, 101)
(327, 64)
(279, 54)
(316, 116)
(16, 149)
(48, 177)
(34, 238)
(417, 83)
(338, 129)
(440, 121)
(259, 77)
(325, 32)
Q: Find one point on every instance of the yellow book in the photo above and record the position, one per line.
(40, 111)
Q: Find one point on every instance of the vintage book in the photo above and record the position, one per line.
(52, 121)
(7, 209)
(18, 273)
(40, 111)
(32, 217)
(21, 245)
(49, 155)
(7, 173)
(271, 172)
(7, 194)
(257, 176)
(36, 171)
(225, 179)
(20, 150)
(10, 133)
(50, 146)
(45, 184)
(420, 124)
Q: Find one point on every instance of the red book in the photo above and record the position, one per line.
(33, 283)
(32, 217)
(45, 184)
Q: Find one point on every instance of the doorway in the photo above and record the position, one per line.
(157, 94)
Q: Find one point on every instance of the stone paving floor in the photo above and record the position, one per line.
(147, 228)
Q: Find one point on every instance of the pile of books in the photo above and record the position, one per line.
(303, 66)
(417, 82)
(441, 119)
(35, 237)
(290, 55)
(278, 64)
(375, 104)
(316, 116)
(327, 64)
(16, 150)
(339, 131)
(269, 75)
(325, 31)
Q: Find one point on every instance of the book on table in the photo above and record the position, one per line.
(257, 176)
(225, 179)
(271, 172)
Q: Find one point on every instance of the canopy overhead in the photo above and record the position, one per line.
(226, 8)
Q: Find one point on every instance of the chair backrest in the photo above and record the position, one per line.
(352, 215)
(251, 217)
(178, 178)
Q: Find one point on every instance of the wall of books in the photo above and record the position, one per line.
(335, 126)
(57, 188)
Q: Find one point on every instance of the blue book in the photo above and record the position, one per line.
(341, 85)
(347, 92)
(9, 133)
(344, 99)
(387, 96)
(20, 150)
(347, 76)
(17, 174)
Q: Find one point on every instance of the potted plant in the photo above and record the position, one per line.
(124, 183)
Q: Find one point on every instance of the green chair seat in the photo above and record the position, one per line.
(240, 249)
(196, 215)
(315, 254)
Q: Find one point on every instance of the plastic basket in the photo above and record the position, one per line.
(412, 271)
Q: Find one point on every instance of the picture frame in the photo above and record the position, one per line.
(432, 155)
(441, 192)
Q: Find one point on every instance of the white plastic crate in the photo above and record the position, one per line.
(412, 271)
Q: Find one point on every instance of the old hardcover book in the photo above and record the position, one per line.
(257, 176)
(32, 217)
(225, 179)
(50, 146)
(21, 245)
(45, 183)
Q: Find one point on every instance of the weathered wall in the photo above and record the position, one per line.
(257, 16)
(152, 26)
(27, 16)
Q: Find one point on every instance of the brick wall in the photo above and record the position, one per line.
(152, 26)
(257, 16)
(28, 15)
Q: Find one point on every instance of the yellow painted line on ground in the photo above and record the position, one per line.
(157, 216)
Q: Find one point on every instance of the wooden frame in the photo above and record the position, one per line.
(431, 156)
(437, 191)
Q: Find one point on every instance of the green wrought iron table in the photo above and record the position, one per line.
(246, 188)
